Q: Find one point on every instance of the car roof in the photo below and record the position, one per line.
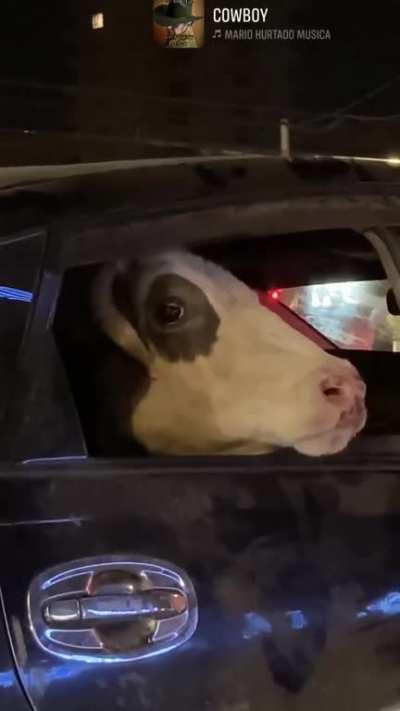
(304, 166)
(91, 207)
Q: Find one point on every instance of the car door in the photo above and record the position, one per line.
(295, 575)
(19, 269)
(190, 583)
(11, 691)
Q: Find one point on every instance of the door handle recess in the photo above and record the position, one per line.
(115, 608)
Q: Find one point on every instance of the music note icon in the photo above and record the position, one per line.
(217, 34)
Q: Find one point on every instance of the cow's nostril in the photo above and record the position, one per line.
(333, 388)
(331, 392)
(342, 390)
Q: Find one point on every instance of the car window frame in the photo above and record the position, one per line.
(297, 322)
(324, 342)
(115, 233)
(36, 422)
(36, 237)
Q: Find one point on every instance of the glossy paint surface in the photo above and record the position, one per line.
(11, 693)
(295, 567)
(297, 576)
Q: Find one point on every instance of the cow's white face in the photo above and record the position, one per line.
(226, 374)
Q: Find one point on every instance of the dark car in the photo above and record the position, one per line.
(137, 582)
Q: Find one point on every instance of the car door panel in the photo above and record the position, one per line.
(11, 692)
(295, 568)
(297, 580)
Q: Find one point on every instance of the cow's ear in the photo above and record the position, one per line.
(114, 311)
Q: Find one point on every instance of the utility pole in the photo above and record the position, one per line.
(285, 140)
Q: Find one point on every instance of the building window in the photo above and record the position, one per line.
(98, 21)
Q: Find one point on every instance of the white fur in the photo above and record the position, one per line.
(258, 388)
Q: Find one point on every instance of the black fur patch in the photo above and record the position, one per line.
(195, 334)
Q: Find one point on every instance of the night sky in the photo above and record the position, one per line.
(40, 42)
(364, 52)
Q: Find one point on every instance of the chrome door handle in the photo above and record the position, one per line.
(114, 608)
(157, 604)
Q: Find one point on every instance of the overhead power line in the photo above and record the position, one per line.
(341, 114)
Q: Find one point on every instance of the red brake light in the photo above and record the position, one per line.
(269, 295)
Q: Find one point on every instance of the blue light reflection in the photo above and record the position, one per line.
(255, 625)
(297, 619)
(7, 292)
(64, 672)
(387, 605)
(7, 679)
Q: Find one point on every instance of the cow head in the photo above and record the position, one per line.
(226, 375)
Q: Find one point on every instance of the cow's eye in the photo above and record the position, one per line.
(170, 311)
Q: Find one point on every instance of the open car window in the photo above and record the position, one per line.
(329, 285)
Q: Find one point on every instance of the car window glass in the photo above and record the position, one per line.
(19, 264)
(352, 314)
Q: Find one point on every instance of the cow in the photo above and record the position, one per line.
(222, 373)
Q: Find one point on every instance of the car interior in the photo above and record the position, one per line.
(355, 298)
